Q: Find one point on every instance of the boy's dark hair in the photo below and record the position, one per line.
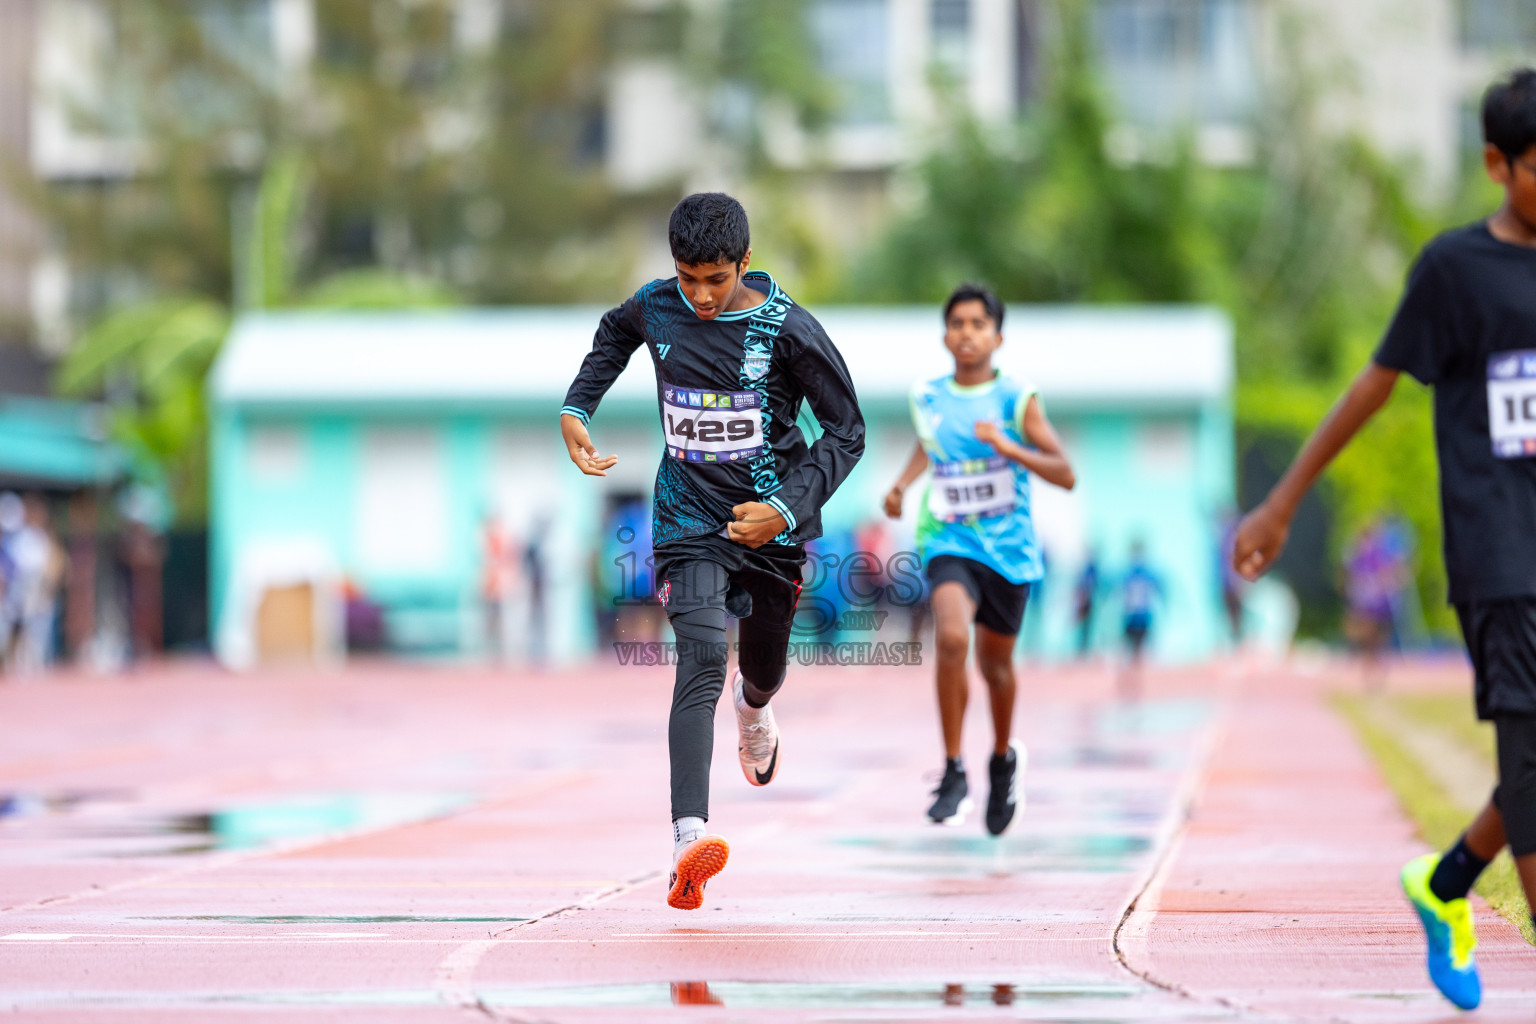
(979, 293)
(708, 227)
(1509, 112)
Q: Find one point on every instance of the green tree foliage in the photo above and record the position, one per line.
(427, 152)
(1306, 248)
(151, 360)
(464, 151)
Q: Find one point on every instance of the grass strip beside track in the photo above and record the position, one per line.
(1452, 714)
(1439, 819)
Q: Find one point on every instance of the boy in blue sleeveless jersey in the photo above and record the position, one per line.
(984, 433)
(738, 491)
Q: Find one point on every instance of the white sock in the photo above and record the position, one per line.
(685, 831)
(747, 711)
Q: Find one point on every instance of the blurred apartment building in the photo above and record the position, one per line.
(1404, 72)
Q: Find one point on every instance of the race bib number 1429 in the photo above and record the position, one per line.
(1512, 403)
(711, 426)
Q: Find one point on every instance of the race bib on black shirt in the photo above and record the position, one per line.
(1512, 403)
(711, 426)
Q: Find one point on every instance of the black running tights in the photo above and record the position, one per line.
(701, 591)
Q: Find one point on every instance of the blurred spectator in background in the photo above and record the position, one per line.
(875, 540)
(81, 589)
(1398, 541)
(1084, 593)
(535, 557)
(628, 584)
(498, 576)
(143, 553)
(1141, 590)
(1375, 573)
(145, 517)
(36, 575)
(12, 519)
(825, 596)
(1232, 583)
(364, 619)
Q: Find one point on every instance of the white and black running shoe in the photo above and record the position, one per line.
(757, 744)
(1006, 798)
(952, 801)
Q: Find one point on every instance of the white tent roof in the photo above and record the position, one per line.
(1164, 354)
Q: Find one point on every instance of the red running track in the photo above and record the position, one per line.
(408, 843)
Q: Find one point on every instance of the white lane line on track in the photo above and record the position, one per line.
(560, 884)
(455, 973)
(798, 935)
(267, 940)
(454, 977)
(65, 936)
(1129, 941)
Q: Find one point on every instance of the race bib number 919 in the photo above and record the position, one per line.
(711, 426)
(1512, 403)
(973, 487)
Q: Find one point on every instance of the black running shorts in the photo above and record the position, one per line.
(999, 603)
(1501, 640)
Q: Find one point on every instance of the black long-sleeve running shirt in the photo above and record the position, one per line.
(729, 391)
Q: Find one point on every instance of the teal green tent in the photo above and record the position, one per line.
(56, 445)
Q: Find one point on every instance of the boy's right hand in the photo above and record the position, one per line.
(1261, 536)
(579, 444)
(893, 502)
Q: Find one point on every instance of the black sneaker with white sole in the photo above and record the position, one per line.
(1004, 799)
(952, 799)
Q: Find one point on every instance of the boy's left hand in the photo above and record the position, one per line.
(756, 524)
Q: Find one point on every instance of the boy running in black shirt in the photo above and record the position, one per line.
(1467, 328)
(738, 492)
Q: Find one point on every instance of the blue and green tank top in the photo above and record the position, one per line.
(977, 504)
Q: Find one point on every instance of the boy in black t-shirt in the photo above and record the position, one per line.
(1467, 328)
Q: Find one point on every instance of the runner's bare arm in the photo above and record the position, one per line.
(1262, 534)
(578, 443)
(915, 466)
(1047, 460)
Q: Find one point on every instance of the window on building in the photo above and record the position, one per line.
(1025, 22)
(1179, 61)
(402, 516)
(242, 32)
(1498, 25)
(949, 30)
(96, 74)
(853, 40)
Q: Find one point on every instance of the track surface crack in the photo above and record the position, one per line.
(455, 974)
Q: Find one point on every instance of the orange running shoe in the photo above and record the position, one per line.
(700, 861)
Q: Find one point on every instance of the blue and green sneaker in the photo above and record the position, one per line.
(1448, 928)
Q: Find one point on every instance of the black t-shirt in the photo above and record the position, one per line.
(729, 391)
(1467, 327)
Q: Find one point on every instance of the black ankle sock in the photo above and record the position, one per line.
(1456, 872)
(953, 764)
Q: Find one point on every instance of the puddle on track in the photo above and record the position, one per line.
(137, 832)
(949, 854)
(302, 919)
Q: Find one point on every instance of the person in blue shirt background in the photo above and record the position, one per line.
(1141, 590)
